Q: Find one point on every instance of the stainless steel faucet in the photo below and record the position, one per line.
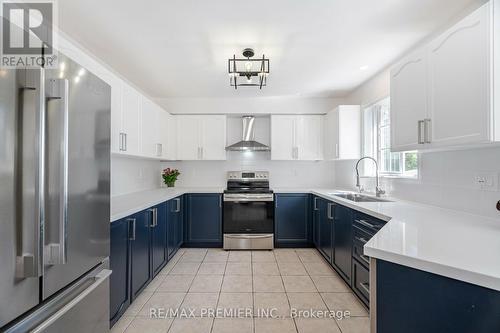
(378, 190)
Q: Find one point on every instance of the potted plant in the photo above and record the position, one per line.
(170, 176)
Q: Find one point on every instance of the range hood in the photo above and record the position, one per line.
(248, 142)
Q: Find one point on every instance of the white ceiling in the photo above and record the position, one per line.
(179, 48)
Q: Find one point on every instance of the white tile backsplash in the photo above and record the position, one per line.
(130, 175)
(446, 180)
(282, 173)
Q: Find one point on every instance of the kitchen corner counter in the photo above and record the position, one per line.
(450, 243)
(128, 204)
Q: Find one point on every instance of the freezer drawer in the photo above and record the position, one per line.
(82, 308)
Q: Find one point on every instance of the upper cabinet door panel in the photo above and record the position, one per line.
(408, 100)
(310, 137)
(150, 128)
(459, 77)
(188, 140)
(168, 135)
(130, 119)
(342, 132)
(213, 137)
(116, 114)
(283, 141)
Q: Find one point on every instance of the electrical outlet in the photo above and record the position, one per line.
(486, 181)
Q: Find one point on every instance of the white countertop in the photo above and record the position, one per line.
(451, 243)
(128, 204)
(454, 244)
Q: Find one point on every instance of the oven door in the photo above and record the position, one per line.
(248, 214)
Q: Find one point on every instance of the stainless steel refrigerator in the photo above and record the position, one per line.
(54, 199)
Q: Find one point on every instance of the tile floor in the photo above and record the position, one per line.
(245, 285)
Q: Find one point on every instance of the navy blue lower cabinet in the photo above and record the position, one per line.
(140, 249)
(158, 216)
(203, 220)
(119, 263)
(325, 221)
(342, 240)
(414, 301)
(175, 222)
(292, 220)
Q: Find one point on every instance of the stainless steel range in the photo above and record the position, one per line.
(248, 211)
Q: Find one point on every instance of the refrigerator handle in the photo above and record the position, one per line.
(57, 91)
(30, 264)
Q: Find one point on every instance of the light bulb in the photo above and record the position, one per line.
(77, 79)
(81, 72)
(62, 66)
(248, 66)
(249, 80)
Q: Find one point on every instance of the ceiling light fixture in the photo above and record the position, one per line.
(248, 68)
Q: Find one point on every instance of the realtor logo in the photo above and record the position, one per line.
(27, 33)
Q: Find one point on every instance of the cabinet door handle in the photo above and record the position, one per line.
(124, 141)
(367, 224)
(178, 205)
(427, 130)
(361, 239)
(329, 213)
(132, 223)
(154, 217)
(420, 124)
(336, 150)
(220, 201)
(159, 149)
(315, 203)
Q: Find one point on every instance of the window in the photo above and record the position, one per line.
(377, 144)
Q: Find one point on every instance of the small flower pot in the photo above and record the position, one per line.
(170, 184)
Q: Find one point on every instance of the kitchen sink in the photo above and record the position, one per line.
(359, 197)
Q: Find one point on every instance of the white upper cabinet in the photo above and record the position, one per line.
(150, 129)
(213, 137)
(188, 137)
(201, 137)
(296, 137)
(283, 137)
(459, 82)
(342, 128)
(116, 115)
(310, 137)
(408, 101)
(168, 135)
(129, 135)
(441, 96)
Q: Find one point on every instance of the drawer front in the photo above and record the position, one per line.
(357, 252)
(361, 281)
(368, 223)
